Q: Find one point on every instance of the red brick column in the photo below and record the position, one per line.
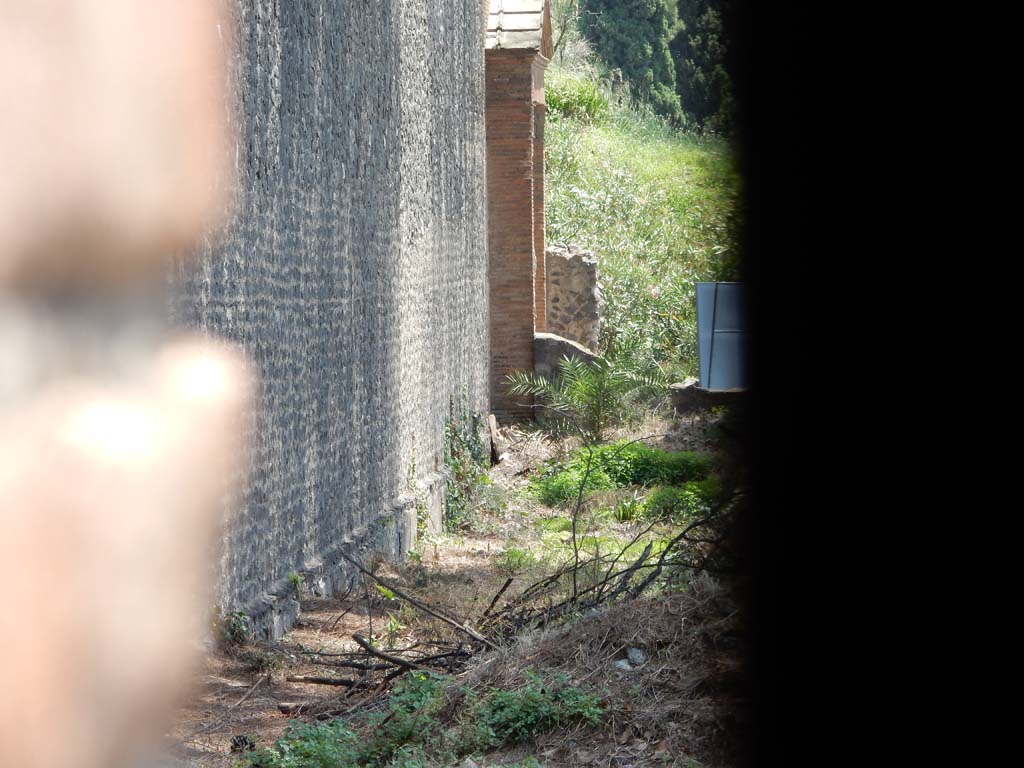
(510, 210)
(541, 276)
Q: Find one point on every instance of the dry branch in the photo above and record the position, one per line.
(353, 665)
(417, 604)
(497, 597)
(396, 660)
(340, 681)
(224, 716)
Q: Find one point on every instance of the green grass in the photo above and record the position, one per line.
(554, 524)
(515, 559)
(617, 465)
(657, 206)
(684, 502)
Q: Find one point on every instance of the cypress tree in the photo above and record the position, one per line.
(634, 36)
(702, 78)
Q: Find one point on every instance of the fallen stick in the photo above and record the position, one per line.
(497, 597)
(363, 643)
(438, 656)
(340, 617)
(223, 717)
(426, 609)
(368, 697)
(326, 655)
(353, 665)
(327, 681)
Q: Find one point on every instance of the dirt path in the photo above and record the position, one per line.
(243, 695)
(458, 575)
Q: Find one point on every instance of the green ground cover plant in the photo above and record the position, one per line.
(683, 502)
(617, 465)
(415, 731)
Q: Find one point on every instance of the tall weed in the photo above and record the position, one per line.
(658, 206)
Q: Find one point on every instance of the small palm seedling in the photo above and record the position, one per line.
(588, 396)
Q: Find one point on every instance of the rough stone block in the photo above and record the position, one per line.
(573, 295)
(688, 396)
(549, 350)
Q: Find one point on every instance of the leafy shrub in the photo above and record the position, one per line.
(618, 465)
(689, 500)
(324, 745)
(410, 729)
(629, 509)
(261, 663)
(397, 737)
(410, 734)
(577, 97)
(232, 629)
(638, 464)
(417, 690)
(410, 756)
(562, 485)
(392, 630)
(512, 716)
(411, 718)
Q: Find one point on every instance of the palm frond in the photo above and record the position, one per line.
(589, 395)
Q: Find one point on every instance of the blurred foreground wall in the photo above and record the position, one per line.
(353, 273)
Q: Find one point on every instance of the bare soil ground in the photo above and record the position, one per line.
(673, 710)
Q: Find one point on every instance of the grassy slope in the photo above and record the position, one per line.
(658, 207)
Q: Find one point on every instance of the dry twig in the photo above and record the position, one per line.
(417, 604)
(224, 716)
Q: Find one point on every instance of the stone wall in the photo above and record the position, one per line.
(574, 295)
(354, 274)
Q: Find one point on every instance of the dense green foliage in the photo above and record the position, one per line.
(657, 205)
(232, 629)
(618, 465)
(673, 54)
(562, 486)
(702, 78)
(682, 502)
(415, 700)
(324, 745)
(412, 733)
(633, 36)
(639, 464)
(515, 559)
